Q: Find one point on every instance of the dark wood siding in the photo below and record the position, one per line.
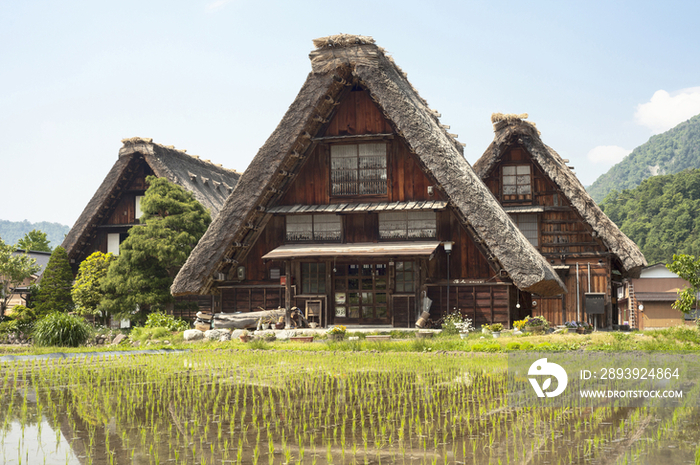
(358, 114)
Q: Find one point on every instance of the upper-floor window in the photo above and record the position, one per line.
(527, 224)
(326, 228)
(358, 169)
(517, 182)
(407, 225)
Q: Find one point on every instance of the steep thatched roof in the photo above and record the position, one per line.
(337, 63)
(512, 131)
(209, 183)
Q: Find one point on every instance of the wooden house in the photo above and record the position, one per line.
(349, 209)
(115, 207)
(21, 291)
(647, 301)
(551, 207)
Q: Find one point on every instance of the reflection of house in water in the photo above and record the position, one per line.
(116, 205)
(646, 302)
(549, 204)
(361, 203)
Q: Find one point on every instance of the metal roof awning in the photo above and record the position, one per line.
(656, 296)
(361, 207)
(365, 250)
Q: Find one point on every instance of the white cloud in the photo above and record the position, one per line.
(217, 4)
(665, 110)
(607, 154)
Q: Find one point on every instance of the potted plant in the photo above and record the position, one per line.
(586, 326)
(336, 333)
(571, 326)
(496, 329)
(464, 327)
(245, 336)
(519, 324)
(536, 325)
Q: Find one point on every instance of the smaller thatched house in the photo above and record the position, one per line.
(551, 207)
(115, 207)
(360, 206)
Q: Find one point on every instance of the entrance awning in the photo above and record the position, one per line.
(381, 249)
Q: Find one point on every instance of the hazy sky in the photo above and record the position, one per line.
(215, 78)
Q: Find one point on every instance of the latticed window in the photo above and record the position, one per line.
(405, 277)
(313, 278)
(527, 223)
(407, 225)
(325, 228)
(517, 183)
(358, 169)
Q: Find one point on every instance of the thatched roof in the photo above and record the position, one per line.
(335, 65)
(210, 184)
(513, 130)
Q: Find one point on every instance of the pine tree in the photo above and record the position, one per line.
(56, 284)
(139, 280)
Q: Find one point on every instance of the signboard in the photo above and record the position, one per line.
(595, 303)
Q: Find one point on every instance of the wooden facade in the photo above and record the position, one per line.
(384, 289)
(564, 238)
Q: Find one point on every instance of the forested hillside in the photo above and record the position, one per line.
(12, 231)
(671, 152)
(662, 215)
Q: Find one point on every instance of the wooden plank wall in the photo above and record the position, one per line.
(271, 237)
(483, 304)
(358, 114)
(246, 299)
(407, 180)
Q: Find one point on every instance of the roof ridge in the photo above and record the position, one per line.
(503, 120)
(149, 140)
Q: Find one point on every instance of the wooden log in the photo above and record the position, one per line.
(244, 320)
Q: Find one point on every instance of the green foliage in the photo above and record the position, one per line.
(662, 215)
(55, 285)
(34, 240)
(668, 153)
(688, 268)
(139, 280)
(14, 269)
(86, 290)
(169, 322)
(143, 334)
(12, 231)
(61, 329)
(23, 319)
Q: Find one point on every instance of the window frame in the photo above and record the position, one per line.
(318, 278)
(407, 222)
(515, 217)
(526, 197)
(358, 182)
(314, 230)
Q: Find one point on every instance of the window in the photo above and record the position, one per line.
(313, 278)
(407, 225)
(517, 183)
(137, 207)
(358, 169)
(405, 277)
(113, 243)
(326, 228)
(527, 223)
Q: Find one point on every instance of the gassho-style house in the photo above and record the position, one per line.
(362, 208)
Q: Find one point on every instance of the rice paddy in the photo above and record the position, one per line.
(265, 407)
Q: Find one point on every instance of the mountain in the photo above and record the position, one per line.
(12, 231)
(671, 152)
(661, 215)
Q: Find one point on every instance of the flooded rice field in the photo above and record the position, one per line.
(264, 407)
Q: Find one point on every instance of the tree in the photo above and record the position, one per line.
(151, 256)
(86, 290)
(14, 269)
(56, 284)
(688, 268)
(34, 240)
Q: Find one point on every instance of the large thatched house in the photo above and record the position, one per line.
(550, 205)
(115, 207)
(352, 205)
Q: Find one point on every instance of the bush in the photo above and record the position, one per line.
(143, 334)
(61, 329)
(169, 322)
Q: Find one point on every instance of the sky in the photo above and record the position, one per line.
(215, 77)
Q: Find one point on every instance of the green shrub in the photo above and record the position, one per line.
(513, 346)
(61, 329)
(143, 334)
(169, 322)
